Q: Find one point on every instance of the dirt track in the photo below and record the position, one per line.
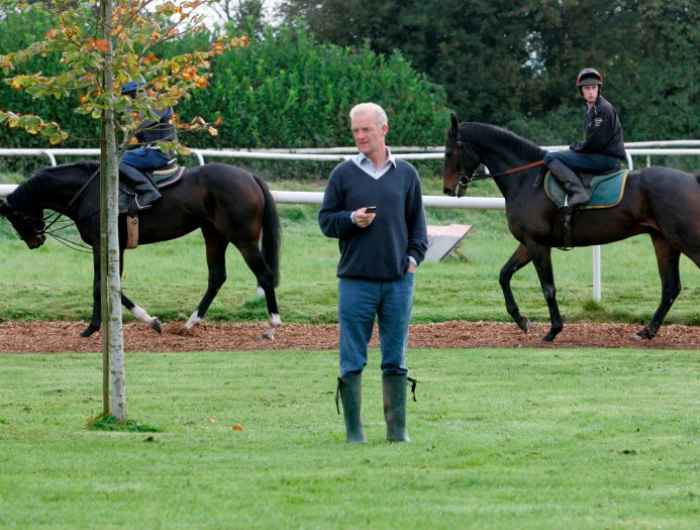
(64, 337)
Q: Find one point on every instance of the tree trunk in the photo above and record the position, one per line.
(112, 336)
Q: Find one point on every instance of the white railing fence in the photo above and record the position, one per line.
(634, 149)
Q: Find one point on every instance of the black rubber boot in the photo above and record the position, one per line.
(394, 390)
(575, 190)
(146, 192)
(350, 390)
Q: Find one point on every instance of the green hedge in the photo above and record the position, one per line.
(285, 90)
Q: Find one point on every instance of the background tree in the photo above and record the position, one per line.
(514, 63)
(474, 49)
(244, 16)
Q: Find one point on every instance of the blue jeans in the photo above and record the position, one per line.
(145, 158)
(359, 302)
(594, 163)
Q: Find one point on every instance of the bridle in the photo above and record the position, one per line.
(463, 147)
(465, 179)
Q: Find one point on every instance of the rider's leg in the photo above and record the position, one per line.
(577, 193)
(132, 166)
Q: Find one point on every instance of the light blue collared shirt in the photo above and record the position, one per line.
(366, 165)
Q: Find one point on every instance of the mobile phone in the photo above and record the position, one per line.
(371, 209)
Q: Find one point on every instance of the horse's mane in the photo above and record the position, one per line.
(488, 136)
(45, 178)
(87, 167)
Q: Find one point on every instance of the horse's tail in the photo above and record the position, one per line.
(271, 236)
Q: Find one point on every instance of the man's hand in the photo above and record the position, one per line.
(361, 218)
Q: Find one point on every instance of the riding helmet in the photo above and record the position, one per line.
(588, 77)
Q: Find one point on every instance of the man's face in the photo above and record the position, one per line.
(590, 93)
(368, 134)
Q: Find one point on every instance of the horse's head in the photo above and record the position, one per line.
(461, 161)
(29, 225)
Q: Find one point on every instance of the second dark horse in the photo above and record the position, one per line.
(658, 201)
(227, 203)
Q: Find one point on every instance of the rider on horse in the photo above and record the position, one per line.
(600, 152)
(146, 155)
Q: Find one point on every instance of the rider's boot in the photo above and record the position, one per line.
(146, 192)
(576, 192)
(350, 391)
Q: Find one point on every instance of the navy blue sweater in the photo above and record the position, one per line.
(379, 251)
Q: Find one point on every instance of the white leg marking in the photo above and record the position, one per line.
(275, 320)
(193, 321)
(141, 314)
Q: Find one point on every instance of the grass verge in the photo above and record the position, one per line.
(502, 439)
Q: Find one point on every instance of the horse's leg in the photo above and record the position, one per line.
(141, 314)
(96, 318)
(542, 259)
(216, 262)
(667, 259)
(138, 312)
(517, 261)
(255, 261)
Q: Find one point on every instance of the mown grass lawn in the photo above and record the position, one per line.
(501, 439)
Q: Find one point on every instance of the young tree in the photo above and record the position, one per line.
(102, 47)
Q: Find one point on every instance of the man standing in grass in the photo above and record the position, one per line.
(373, 205)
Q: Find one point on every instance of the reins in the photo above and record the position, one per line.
(51, 219)
(82, 189)
(519, 169)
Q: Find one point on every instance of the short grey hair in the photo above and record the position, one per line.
(379, 113)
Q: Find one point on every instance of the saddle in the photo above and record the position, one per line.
(161, 178)
(606, 190)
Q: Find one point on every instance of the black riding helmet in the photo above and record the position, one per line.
(588, 77)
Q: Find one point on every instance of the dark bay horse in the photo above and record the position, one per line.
(227, 203)
(661, 202)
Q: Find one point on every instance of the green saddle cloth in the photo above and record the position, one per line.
(607, 190)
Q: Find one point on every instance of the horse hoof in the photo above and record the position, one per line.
(549, 337)
(89, 330)
(524, 324)
(646, 334)
(156, 325)
(269, 334)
